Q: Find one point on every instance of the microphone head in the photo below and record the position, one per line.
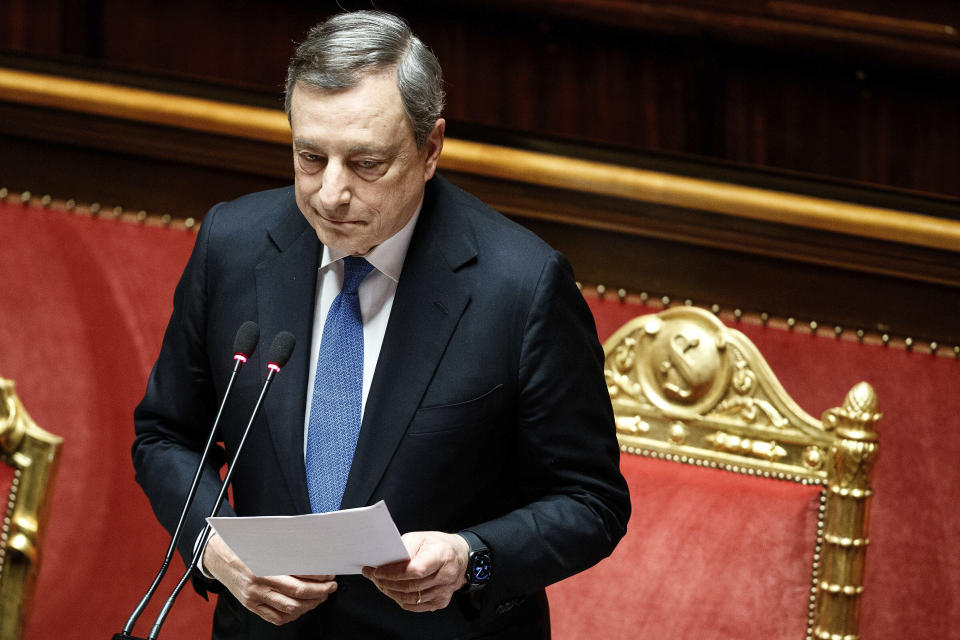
(281, 350)
(246, 341)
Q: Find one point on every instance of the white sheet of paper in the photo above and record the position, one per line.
(335, 543)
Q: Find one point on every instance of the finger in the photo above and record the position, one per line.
(445, 574)
(423, 565)
(409, 586)
(279, 608)
(317, 578)
(268, 613)
(397, 571)
(298, 589)
(275, 616)
(429, 600)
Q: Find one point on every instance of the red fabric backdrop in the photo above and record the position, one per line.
(83, 304)
(709, 555)
(912, 571)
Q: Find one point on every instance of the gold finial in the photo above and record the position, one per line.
(11, 428)
(855, 420)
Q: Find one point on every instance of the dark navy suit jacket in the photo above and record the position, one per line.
(488, 409)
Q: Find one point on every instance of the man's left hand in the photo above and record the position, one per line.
(427, 581)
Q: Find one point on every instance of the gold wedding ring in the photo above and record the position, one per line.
(419, 599)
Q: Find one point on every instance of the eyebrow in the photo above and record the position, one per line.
(375, 149)
(303, 142)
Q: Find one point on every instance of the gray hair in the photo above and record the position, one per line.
(339, 52)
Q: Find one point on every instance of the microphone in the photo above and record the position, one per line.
(244, 344)
(280, 352)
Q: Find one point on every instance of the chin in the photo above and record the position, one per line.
(352, 247)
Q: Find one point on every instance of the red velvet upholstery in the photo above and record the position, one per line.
(83, 305)
(709, 554)
(913, 570)
(6, 483)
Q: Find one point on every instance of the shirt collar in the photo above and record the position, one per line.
(388, 256)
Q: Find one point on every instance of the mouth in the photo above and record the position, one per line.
(336, 222)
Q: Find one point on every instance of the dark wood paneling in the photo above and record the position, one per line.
(135, 165)
(758, 265)
(781, 287)
(853, 89)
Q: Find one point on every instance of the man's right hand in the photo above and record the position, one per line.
(276, 599)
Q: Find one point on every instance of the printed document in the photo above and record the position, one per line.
(335, 543)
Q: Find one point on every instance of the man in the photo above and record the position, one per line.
(470, 396)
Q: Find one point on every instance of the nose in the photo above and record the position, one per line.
(334, 190)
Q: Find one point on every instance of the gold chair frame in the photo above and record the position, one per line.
(686, 388)
(34, 454)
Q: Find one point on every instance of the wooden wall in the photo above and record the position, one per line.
(865, 91)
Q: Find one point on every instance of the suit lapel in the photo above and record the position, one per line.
(286, 289)
(431, 297)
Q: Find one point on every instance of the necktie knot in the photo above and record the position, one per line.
(354, 271)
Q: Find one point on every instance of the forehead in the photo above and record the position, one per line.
(370, 113)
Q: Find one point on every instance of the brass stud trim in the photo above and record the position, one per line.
(859, 494)
(826, 635)
(845, 589)
(8, 512)
(95, 209)
(841, 541)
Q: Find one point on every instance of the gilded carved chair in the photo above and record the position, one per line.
(28, 464)
(750, 516)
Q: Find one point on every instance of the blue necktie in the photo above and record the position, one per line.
(337, 394)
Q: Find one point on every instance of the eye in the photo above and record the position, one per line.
(369, 164)
(370, 168)
(310, 162)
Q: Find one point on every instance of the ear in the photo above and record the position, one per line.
(433, 146)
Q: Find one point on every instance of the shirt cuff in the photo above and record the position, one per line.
(196, 547)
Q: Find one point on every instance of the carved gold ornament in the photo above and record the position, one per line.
(686, 388)
(33, 453)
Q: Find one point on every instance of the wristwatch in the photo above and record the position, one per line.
(479, 562)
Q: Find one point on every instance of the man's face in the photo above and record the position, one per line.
(359, 175)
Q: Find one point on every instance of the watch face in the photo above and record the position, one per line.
(480, 570)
